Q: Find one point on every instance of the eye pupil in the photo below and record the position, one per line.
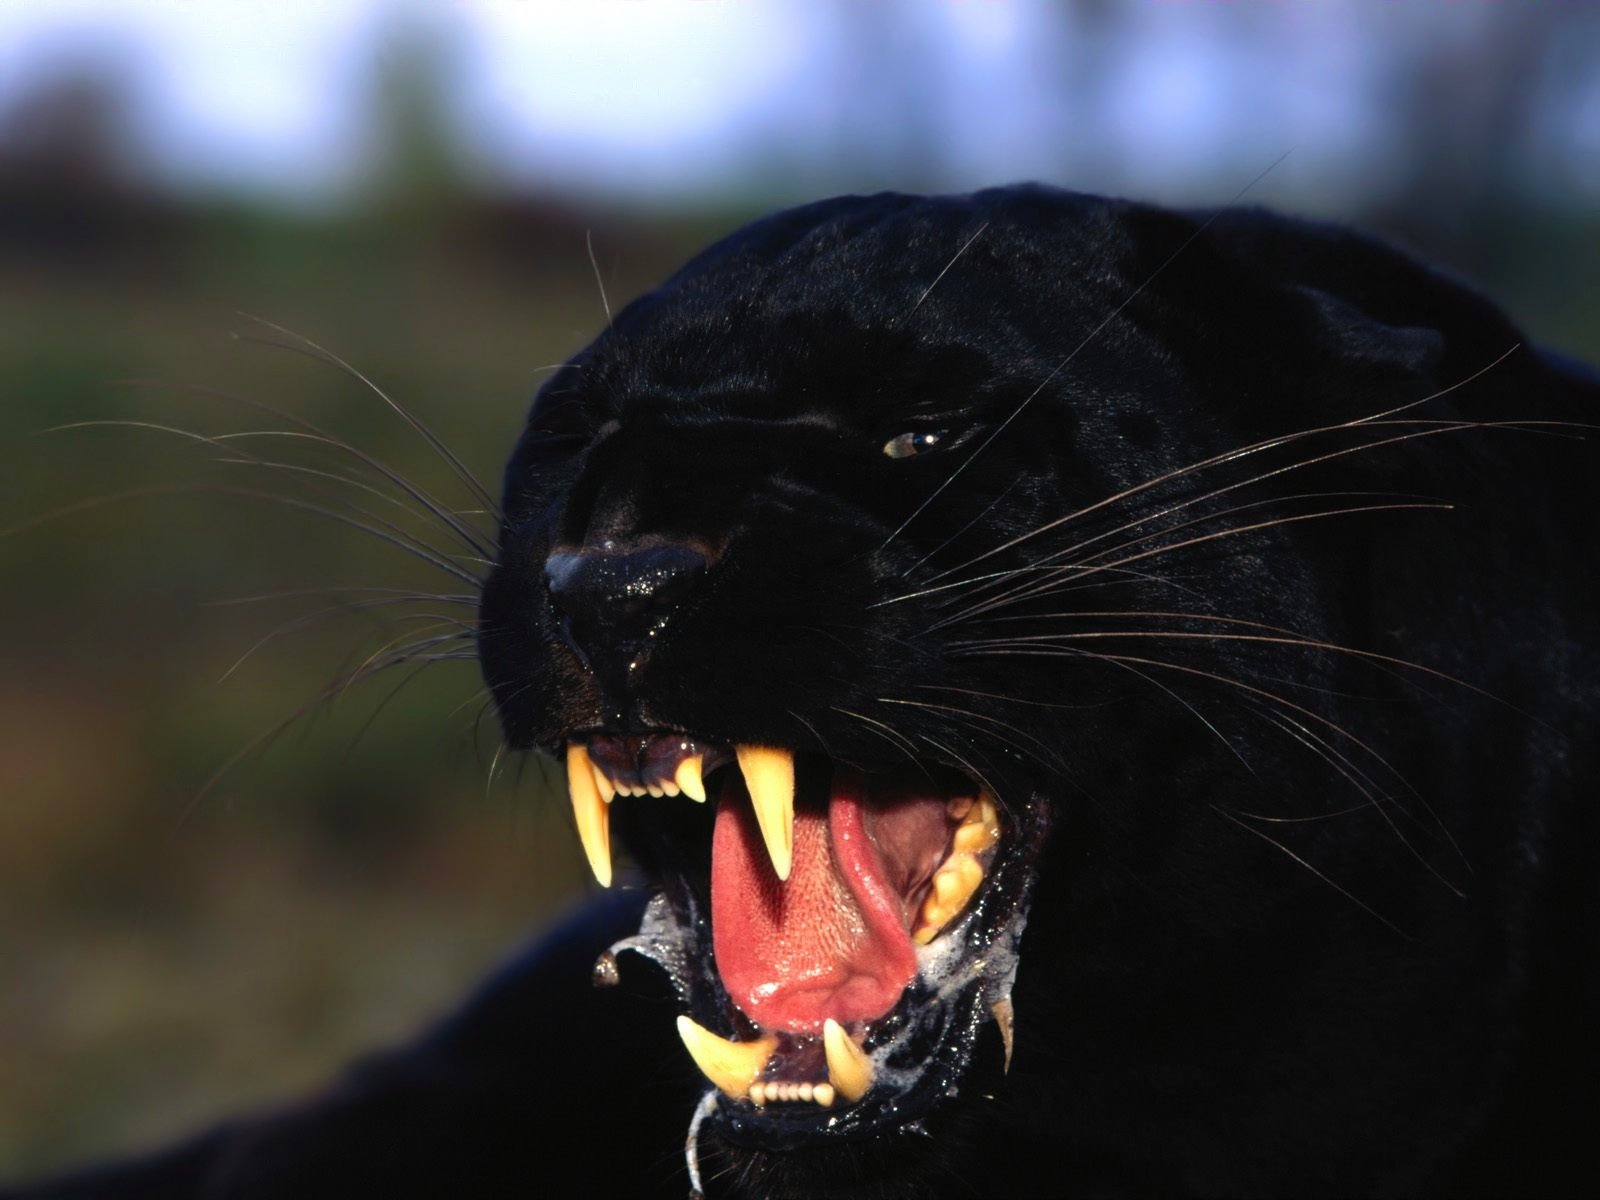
(906, 444)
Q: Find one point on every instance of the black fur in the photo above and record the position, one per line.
(1316, 914)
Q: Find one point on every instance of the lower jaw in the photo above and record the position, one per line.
(916, 1054)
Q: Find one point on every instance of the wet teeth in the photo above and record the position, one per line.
(979, 830)
(778, 1090)
(732, 1066)
(960, 875)
(590, 812)
(688, 778)
(602, 781)
(1006, 1017)
(769, 778)
(849, 1068)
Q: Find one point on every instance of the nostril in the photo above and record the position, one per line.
(621, 594)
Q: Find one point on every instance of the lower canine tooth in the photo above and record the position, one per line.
(849, 1069)
(589, 812)
(769, 778)
(732, 1066)
(1005, 1016)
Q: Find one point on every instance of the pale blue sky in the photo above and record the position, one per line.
(679, 98)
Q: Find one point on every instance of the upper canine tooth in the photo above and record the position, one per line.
(849, 1069)
(590, 812)
(732, 1066)
(769, 778)
(688, 778)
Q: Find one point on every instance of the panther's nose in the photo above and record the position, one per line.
(612, 600)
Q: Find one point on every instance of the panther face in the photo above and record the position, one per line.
(906, 573)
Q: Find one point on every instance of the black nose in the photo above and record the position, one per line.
(613, 600)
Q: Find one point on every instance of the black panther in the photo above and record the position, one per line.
(1096, 701)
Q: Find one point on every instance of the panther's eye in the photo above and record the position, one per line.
(916, 442)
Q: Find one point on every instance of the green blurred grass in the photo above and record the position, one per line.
(165, 958)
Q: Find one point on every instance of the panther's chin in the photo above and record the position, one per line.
(846, 939)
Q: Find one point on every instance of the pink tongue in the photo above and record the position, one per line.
(832, 941)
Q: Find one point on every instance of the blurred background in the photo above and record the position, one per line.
(198, 914)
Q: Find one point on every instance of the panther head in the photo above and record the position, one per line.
(904, 572)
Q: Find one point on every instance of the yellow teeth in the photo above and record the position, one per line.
(590, 812)
(849, 1069)
(960, 875)
(732, 1066)
(688, 779)
(769, 778)
(1006, 1017)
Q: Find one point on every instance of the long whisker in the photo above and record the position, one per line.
(986, 510)
(1288, 637)
(1047, 753)
(337, 590)
(1008, 573)
(221, 441)
(1345, 892)
(888, 732)
(335, 689)
(1075, 573)
(318, 351)
(317, 433)
(1281, 702)
(955, 258)
(1231, 511)
(1074, 570)
(305, 620)
(1368, 787)
(1438, 427)
(594, 264)
(1433, 427)
(1217, 459)
(174, 489)
(377, 709)
(963, 760)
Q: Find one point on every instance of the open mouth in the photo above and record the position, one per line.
(851, 934)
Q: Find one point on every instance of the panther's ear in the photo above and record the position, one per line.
(1360, 303)
(1356, 338)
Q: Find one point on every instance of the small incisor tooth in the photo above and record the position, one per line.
(849, 1069)
(688, 778)
(602, 783)
(590, 812)
(769, 778)
(732, 1066)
